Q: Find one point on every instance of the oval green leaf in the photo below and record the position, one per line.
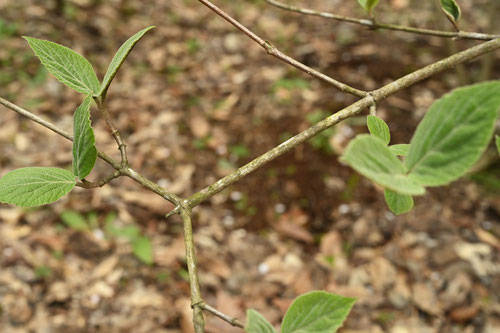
(372, 158)
(317, 312)
(451, 9)
(143, 250)
(378, 128)
(74, 220)
(398, 203)
(256, 323)
(119, 58)
(453, 134)
(84, 150)
(35, 186)
(66, 65)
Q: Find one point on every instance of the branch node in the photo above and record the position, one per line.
(270, 49)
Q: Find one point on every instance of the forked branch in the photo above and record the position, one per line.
(124, 170)
(350, 111)
(271, 50)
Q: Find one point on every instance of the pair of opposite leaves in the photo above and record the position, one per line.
(34, 186)
(448, 141)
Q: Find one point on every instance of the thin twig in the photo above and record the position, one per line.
(127, 171)
(53, 128)
(373, 24)
(86, 184)
(122, 147)
(350, 111)
(271, 50)
(231, 320)
(196, 300)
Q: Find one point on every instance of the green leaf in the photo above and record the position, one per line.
(453, 134)
(497, 140)
(368, 5)
(29, 187)
(74, 220)
(143, 250)
(119, 58)
(400, 149)
(256, 323)
(451, 9)
(373, 159)
(378, 128)
(84, 150)
(398, 203)
(316, 312)
(130, 232)
(66, 65)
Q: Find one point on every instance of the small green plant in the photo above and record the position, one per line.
(43, 272)
(75, 220)
(141, 245)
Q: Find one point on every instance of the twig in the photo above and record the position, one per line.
(350, 111)
(86, 184)
(271, 50)
(196, 300)
(378, 25)
(231, 320)
(35, 118)
(101, 105)
(53, 128)
(127, 171)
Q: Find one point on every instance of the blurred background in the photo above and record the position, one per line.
(195, 100)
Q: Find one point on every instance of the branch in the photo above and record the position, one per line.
(350, 111)
(127, 171)
(122, 147)
(231, 320)
(86, 184)
(196, 300)
(373, 24)
(271, 50)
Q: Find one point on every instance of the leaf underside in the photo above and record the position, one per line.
(35, 186)
(400, 149)
(119, 58)
(84, 150)
(398, 203)
(451, 9)
(372, 158)
(69, 67)
(378, 128)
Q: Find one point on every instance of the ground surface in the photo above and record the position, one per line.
(197, 99)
